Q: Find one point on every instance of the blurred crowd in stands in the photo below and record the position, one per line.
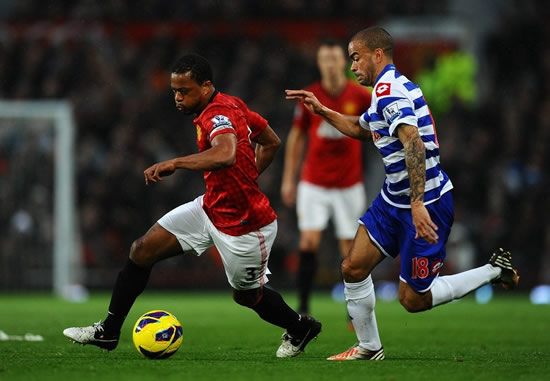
(169, 10)
(112, 59)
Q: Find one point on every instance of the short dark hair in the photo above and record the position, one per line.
(331, 43)
(199, 67)
(376, 38)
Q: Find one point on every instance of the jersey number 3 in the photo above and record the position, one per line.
(250, 274)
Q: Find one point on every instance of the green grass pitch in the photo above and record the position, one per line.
(507, 339)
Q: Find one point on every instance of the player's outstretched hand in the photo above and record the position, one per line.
(157, 171)
(425, 227)
(307, 98)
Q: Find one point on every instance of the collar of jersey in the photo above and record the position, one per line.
(387, 68)
(216, 92)
(212, 97)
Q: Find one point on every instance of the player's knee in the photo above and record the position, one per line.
(309, 242)
(247, 298)
(139, 253)
(309, 247)
(413, 303)
(352, 273)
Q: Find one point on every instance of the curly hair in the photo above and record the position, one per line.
(199, 67)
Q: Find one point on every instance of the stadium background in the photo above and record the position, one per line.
(485, 63)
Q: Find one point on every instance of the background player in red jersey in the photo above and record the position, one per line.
(331, 179)
(233, 214)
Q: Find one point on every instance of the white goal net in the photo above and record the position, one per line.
(40, 248)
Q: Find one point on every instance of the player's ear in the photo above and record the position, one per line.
(379, 54)
(206, 87)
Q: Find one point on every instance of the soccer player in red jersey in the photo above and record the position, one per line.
(233, 214)
(331, 178)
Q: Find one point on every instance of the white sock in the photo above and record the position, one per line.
(361, 301)
(451, 287)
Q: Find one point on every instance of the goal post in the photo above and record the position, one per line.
(67, 272)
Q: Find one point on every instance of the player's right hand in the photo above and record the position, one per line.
(425, 227)
(288, 194)
(156, 172)
(307, 98)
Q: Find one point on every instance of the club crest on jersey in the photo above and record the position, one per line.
(199, 133)
(392, 112)
(350, 108)
(382, 89)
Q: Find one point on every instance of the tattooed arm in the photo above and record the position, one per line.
(415, 160)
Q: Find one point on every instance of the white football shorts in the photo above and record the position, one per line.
(244, 257)
(315, 205)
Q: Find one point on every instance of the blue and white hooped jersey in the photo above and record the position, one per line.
(395, 101)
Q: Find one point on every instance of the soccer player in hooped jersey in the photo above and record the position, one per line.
(233, 214)
(413, 214)
(331, 179)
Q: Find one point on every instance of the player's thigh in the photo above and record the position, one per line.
(412, 300)
(155, 245)
(312, 207)
(345, 246)
(348, 205)
(188, 223)
(245, 258)
(420, 260)
(362, 258)
(382, 227)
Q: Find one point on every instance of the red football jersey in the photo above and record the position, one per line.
(232, 200)
(333, 160)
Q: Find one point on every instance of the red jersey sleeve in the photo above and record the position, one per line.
(218, 120)
(256, 123)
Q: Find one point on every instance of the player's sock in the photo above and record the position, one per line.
(305, 276)
(361, 301)
(130, 283)
(348, 317)
(273, 309)
(451, 287)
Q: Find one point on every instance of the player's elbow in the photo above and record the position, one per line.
(276, 142)
(268, 140)
(276, 146)
(273, 144)
(227, 161)
(225, 157)
(361, 134)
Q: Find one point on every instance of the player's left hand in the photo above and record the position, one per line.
(157, 171)
(425, 227)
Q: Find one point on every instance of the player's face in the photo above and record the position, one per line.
(362, 63)
(188, 94)
(331, 61)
